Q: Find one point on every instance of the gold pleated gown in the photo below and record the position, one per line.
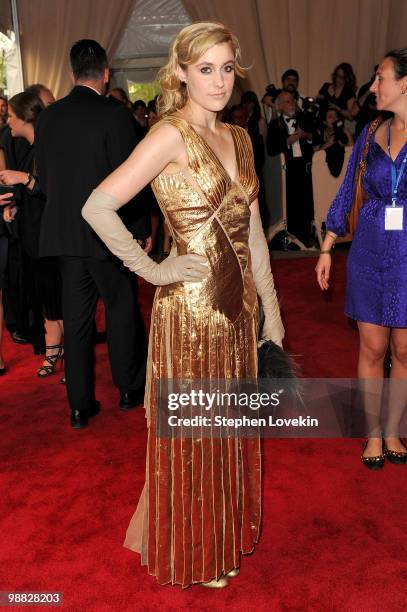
(201, 505)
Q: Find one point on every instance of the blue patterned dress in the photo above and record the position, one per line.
(376, 290)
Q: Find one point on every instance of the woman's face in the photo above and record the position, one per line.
(3, 109)
(339, 78)
(331, 117)
(152, 118)
(211, 78)
(140, 113)
(17, 126)
(386, 88)
(249, 106)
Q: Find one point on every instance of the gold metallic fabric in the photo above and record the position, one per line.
(201, 504)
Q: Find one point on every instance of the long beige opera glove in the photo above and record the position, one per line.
(263, 278)
(100, 212)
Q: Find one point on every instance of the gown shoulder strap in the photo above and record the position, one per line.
(242, 141)
(245, 161)
(177, 122)
(197, 156)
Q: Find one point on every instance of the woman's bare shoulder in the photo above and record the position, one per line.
(166, 131)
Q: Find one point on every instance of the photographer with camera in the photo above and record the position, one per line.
(341, 92)
(334, 137)
(289, 81)
(294, 134)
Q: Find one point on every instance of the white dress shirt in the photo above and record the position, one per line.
(291, 124)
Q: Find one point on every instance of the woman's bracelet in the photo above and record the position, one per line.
(325, 252)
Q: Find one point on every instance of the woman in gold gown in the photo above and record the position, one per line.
(200, 508)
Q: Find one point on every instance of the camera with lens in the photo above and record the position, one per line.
(310, 114)
(310, 105)
(308, 118)
(272, 91)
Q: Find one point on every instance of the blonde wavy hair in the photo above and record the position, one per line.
(191, 43)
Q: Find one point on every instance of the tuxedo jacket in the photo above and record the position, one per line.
(277, 141)
(79, 140)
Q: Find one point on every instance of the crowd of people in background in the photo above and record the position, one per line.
(283, 122)
(297, 126)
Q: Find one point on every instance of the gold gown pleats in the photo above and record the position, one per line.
(201, 504)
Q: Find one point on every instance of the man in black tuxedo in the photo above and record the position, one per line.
(79, 141)
(286, 136)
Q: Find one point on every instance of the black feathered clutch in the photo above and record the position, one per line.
(274, 364)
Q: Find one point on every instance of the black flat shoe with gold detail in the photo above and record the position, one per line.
(395, 456)
(216, 584)
(373, 463)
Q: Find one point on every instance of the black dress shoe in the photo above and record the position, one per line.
(79, 418)
(18, 338)
(94, 409)
(131, 399)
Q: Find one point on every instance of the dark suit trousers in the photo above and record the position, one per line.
(300, 206)
(84, 279)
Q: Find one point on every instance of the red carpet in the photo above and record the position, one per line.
(334, 534)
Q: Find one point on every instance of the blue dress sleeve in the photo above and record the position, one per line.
(340, 207)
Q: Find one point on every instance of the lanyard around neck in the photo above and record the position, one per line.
(395, 176)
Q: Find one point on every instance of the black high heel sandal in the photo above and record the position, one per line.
(373, 463)
(48, 369)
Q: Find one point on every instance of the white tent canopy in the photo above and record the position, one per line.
(13, 72)
(144, 46)
(10, 46)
